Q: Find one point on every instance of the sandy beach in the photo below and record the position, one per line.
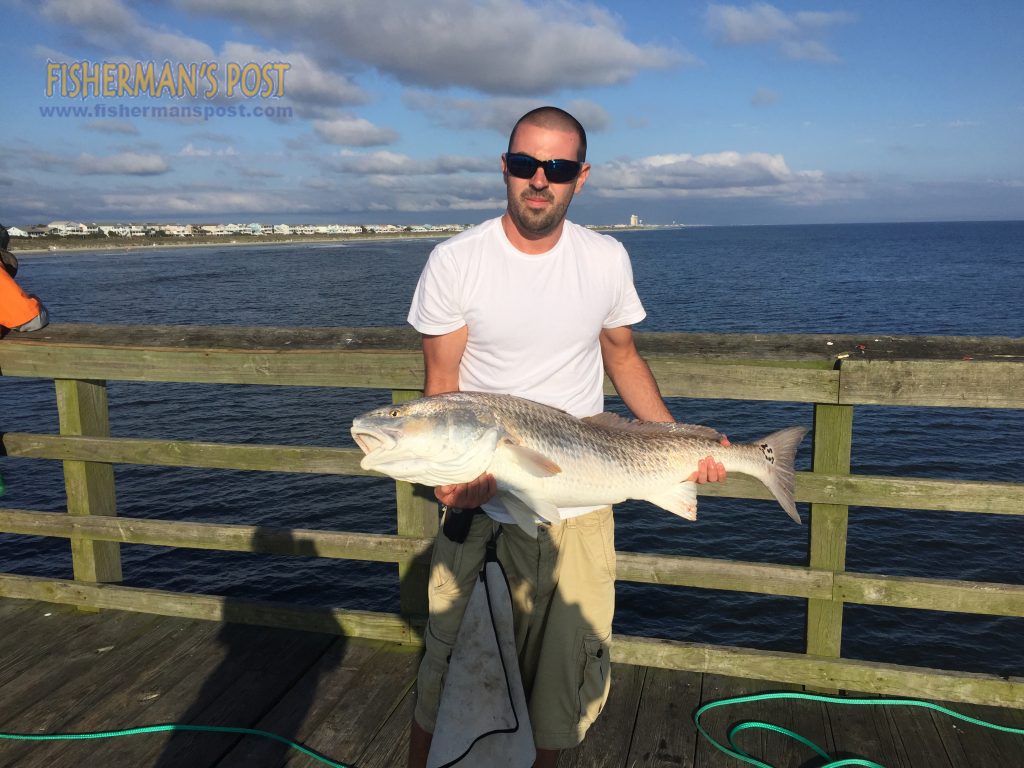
(66, 245)
(40, 246)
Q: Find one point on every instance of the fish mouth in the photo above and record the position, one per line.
(370, 440)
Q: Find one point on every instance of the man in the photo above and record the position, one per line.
(18, 310)
(533, 305)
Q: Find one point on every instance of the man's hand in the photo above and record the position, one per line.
(709, 470)
(468, 495)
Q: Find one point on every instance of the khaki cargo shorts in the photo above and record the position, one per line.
(563, 598)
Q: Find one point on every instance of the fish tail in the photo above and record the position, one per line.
(779, 452)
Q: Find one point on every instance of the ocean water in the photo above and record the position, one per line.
(947, 279)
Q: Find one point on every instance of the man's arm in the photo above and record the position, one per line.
(39, 321)
(631, 376)
(441, 358)
(638, 389)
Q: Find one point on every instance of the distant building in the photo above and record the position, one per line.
(115, 230)
(634, 220)
(176, 230)
(15, 232)
(66, 228)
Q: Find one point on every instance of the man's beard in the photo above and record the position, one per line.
(537, 222)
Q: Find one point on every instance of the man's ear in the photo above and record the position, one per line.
(582, 178)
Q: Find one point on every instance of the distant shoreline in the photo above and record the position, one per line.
(71, 244)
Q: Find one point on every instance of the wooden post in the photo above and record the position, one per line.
(417, 516)
(833, 440)
(82, 406)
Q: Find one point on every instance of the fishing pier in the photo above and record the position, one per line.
(87, 653)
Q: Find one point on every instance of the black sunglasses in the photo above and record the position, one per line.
(557, 171)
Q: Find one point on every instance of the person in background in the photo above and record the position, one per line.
(530, 304)
(19, 311)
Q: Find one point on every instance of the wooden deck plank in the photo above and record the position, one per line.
(167, 697)
(918, 739)
(337, 706)
(259, 666)
(123, 684)
(72, 661)
(806, 718)
(31, 628)
(664, 734)
(389, 747)
(969, 744)
(864, 732)
(352, 701)
(607, 742)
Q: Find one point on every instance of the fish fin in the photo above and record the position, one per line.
(534, 462)
(779, 450)
(608, 419)
(693, 430)
(520, 512)
(614, 421)
(680, 499)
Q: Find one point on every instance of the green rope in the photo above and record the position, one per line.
(740, 754)
(173, 727)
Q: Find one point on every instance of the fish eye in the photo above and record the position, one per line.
(394, 412)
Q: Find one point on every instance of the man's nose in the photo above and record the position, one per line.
(539, 180)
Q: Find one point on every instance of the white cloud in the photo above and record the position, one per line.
(192, 203)
(761, 23)
(109, 25)
(497, 114)
(190, 150)
(764, 97)
(385, 163)
(259, 173)
(111, 126)
(797, 35)
(717, 175)
(807, 50)
(353, 132)
(308, 85)
(496, 46)
(318, 183)
(122, 164)
(112, 27)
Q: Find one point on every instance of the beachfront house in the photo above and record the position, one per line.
(176, 230)
(115, 230)
(67, 228)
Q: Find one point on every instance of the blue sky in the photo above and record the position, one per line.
(398, 111)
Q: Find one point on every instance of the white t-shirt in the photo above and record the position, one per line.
(534, 320)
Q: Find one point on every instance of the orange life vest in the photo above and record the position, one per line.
(16, 306)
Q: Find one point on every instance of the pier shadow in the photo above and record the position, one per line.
(266, 678)
(286, 682)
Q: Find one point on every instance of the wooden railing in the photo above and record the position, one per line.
(835, 373)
